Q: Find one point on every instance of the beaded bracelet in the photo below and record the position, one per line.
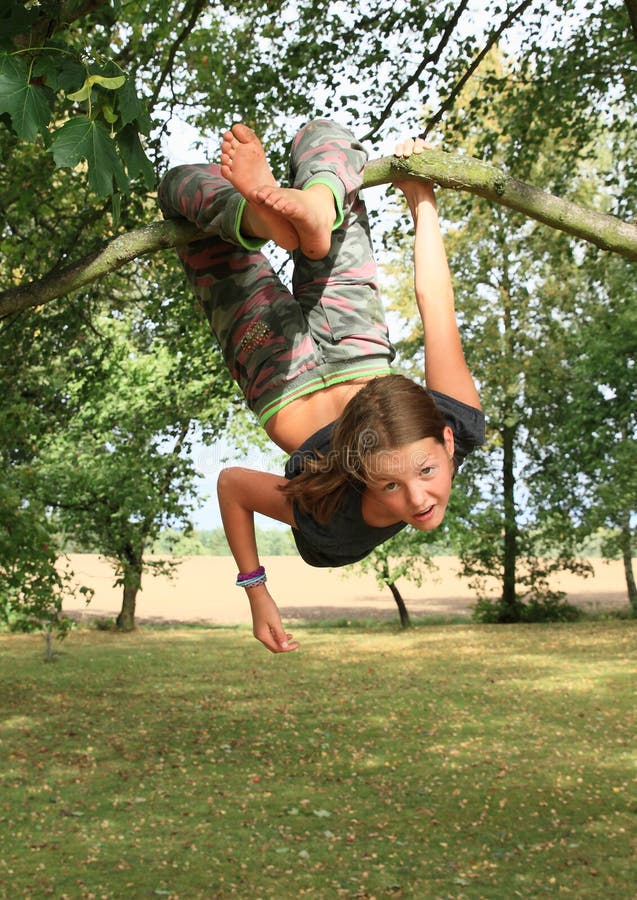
(250, 579)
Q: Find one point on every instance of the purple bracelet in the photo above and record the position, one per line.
(250, 579)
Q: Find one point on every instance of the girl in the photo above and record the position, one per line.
(371, 451)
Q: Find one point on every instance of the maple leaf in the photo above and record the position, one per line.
(85, 139)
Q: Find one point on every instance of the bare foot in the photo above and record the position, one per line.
(244, 164)
(311, 212)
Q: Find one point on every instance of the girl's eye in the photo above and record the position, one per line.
(390, 486)
(428, 470)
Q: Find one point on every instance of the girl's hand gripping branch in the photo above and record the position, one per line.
(445, 365)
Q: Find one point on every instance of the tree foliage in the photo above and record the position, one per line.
(195, 542)
(587, 469)
(123, 468)
(524, 304)
(76, 99)
(90, 95)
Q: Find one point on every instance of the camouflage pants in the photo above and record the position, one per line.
(281, 344)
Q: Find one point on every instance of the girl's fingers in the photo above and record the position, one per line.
(403, 148)
(420, 145)
(408, 146)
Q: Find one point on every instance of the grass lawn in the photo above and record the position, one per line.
(443, 762)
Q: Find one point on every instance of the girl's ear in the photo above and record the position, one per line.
(449, 442)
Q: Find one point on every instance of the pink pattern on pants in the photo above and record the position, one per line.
(280, 344)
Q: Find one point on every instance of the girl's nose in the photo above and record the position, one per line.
(418, 496)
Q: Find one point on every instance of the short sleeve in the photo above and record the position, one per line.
(466, 422)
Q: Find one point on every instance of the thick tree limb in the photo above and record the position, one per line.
(45, 26)
(463, 173)
(459, 173)
(112, 256)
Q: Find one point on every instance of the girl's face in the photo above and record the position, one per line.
(411, 484)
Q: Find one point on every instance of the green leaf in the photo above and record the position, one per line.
(132, 152)
(59, 72)
(83, 139)
(111, 84)
(132, 109)
(27, 104)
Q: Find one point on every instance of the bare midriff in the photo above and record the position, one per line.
(297, 421)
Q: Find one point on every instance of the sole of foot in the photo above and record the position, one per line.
(244, 165)
(311, 212)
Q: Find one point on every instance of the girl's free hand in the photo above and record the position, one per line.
(266, 622)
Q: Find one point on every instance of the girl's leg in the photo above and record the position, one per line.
(276, 348)
(339, 293)
(327, 153)
(244, 165)
(259, 326)
(200, 194)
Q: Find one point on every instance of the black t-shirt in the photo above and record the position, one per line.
(347, 538)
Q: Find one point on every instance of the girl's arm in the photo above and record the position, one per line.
(242, 492)
(445, 367)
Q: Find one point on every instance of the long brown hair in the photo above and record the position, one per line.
(388, 413)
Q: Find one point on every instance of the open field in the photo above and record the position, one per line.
(204, 591)
(440, 763)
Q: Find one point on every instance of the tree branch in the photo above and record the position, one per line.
(178, 42)
(458, 173)
(463, 173)
(46, 26)
(493, 38)
(631, 6)
(112, 256)
(427, 60)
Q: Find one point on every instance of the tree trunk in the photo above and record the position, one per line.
(509, 607)
(510, 611)
(132, 579)
(126, 619)
(627, 555)
(48, 636)
(400, 603)
(631, 6)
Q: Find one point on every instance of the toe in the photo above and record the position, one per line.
(242, 133)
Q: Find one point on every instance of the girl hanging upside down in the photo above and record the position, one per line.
(370, 450)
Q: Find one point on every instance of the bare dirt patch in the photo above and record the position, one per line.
(203, 591)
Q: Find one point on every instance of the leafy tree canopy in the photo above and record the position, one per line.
(91, 90)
